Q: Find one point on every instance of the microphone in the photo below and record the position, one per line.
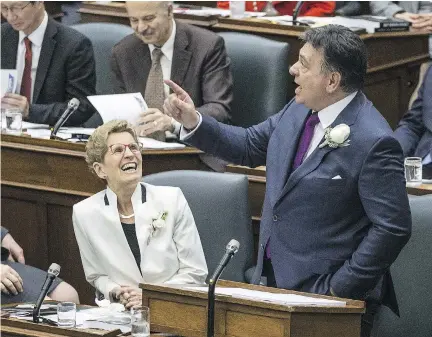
(296, 12)
(71, 108)
(231, 248)
(53, 272)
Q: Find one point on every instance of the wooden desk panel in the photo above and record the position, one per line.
(393, 58)
(42, 180)
(183, 311)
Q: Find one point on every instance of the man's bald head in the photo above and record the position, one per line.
(151, 20)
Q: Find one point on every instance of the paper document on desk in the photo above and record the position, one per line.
(149, 143)
(283, 299)
(119, 106)
(8, 81)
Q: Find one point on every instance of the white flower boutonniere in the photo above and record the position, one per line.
(336, 137)
(158, 222)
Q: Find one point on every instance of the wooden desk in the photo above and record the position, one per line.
(183, 311)
(421, 190)
(393, 58)
(42, 180)
(13, 327)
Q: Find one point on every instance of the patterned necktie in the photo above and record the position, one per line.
(154, 92)
(305, 139)
(26, 81)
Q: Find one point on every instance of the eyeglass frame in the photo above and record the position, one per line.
(15, 10)
(140, 147)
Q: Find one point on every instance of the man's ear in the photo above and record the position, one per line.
(334, 81)
(98, 168)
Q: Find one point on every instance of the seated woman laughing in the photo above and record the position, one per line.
(133, 232)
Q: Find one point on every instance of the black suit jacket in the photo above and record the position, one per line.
(414, 131)
(200, 66)
(66, 69)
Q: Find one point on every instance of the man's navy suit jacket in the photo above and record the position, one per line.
(414, 131)
(339, 233)
(66, 69)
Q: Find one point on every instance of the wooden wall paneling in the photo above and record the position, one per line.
(24, 218)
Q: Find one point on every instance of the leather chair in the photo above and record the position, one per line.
(219, 204)
(412, 272)
(261, 76)
(103, 37)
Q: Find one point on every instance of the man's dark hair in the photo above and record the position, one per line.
(343, 51)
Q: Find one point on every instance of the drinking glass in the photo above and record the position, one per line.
(413, 171)
(12, 121)
(140, 322)
(237, 9)
(66, 314)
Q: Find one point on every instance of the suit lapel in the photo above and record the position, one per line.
(141, 60)
(181, 56)
(347, 116)
(289, 139)
(47, 50)
(9, 48)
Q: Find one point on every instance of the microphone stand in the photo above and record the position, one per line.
(296, 12)
(211, 293)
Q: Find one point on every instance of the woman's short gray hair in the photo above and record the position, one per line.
(96, 147)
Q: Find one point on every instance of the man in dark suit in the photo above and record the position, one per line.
(54, 64)
(193, 57)
(336, 212)
(414, 131)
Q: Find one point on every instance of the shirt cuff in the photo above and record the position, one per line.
(186, 134)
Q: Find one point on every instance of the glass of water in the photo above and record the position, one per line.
(413, 171)
(66, 314)
(12, 121)
(237, 9)
(140, 321)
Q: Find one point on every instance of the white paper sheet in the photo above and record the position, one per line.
(8, 81)
(28, 125)
(150, 143)
(119, 106)
(283, 299)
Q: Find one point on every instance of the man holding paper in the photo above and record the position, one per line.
(54, 64)
(336, 212)
(163, 48)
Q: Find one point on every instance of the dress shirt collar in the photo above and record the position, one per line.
(168, 47)
(37, 36)
(328, 115)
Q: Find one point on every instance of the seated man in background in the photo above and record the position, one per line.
(419, 13)
(163, 48)
(133, 232)
(23, 283)
(414, 131)
(54, 64)
(309, 8)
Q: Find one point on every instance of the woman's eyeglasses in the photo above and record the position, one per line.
(119, 149)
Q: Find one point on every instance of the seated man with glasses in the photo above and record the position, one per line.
(133, 232)
(54, 63)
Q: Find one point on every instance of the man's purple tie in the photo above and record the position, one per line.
(305, 139)
(302, 149)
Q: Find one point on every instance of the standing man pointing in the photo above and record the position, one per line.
(336, 212)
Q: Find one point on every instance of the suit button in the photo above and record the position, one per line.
(262, 246)
(275, 218)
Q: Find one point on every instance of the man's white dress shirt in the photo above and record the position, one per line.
(36, 39)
